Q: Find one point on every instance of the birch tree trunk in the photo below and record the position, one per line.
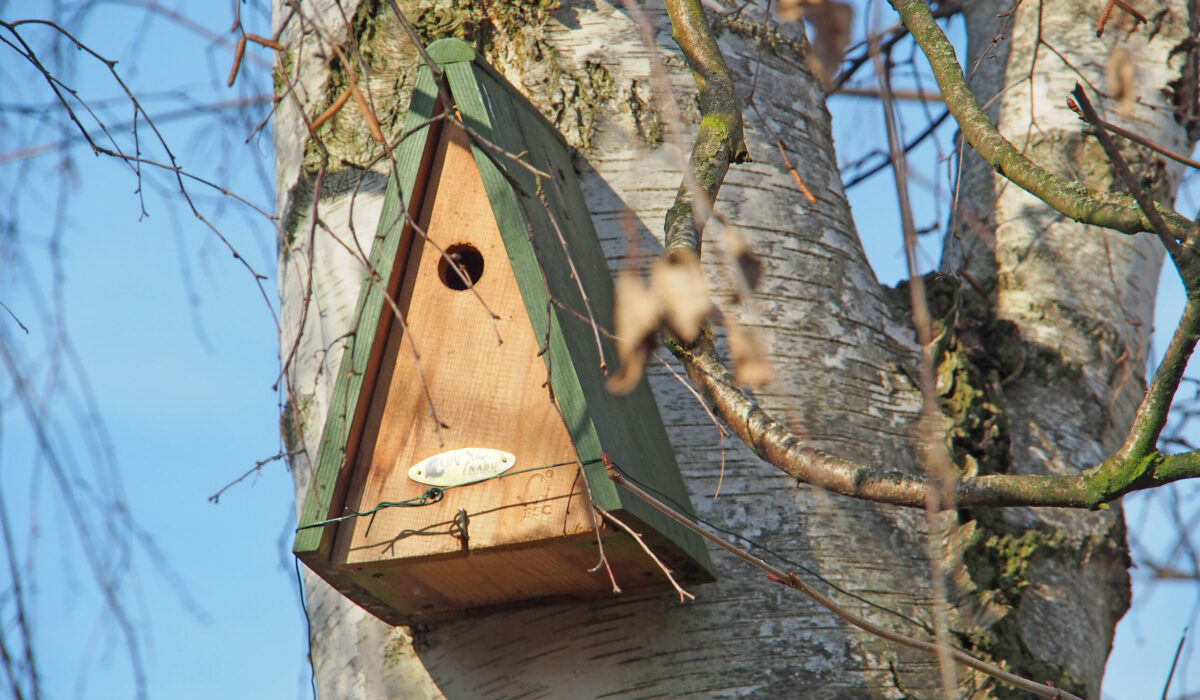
(1080, 300)
(1040, 590)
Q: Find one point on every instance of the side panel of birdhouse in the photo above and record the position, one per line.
(558, 255)
(360, 360)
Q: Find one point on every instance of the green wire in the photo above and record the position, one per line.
(432, 495)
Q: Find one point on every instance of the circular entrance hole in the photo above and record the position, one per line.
(467, 267)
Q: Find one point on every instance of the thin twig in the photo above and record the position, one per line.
(787, 162)
(135, 160)
(1157, 148)
(938, 468)
(14, 317)
(637, 536)
(269, 43)
(581, 476)
(914, 95)
(587, 304)
(945, 9)
(885, 160)
(19, 600)
(1083, 107)
(106, 578)
(216, 497)
(1174, 663)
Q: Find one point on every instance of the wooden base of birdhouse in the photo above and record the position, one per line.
(479, 581)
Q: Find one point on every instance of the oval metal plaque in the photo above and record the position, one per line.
(462, 466)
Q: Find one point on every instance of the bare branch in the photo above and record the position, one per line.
(1174, 663)
(775, 443)
(1082, 106)
(684, 596)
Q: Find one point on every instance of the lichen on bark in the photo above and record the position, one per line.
(647, 118)
(292, 422)
(768, 36)
(511, 36)
(998, 567)
(989, 559)
(997, 560)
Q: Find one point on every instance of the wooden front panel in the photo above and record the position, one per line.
(485, 394)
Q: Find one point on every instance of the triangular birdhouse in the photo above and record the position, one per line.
(471, 393)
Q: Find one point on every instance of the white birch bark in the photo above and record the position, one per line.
(837, 352)
(1078, 294)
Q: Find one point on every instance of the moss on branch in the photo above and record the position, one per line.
(720, 141)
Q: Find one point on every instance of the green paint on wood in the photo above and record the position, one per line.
(450, 51)
(348, 395)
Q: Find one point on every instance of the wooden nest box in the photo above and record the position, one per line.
(448, 477)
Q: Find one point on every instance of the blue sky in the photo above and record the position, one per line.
(182, 373)
(181, 353)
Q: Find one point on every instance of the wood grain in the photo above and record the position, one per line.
(485, 393)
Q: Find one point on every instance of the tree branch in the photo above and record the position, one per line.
(774, 443)
(1081, 203)
(1152, 413)
(720, 140)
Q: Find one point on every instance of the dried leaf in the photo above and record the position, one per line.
(683, 293)
(637, 313)
(748, 264)
(831, 34)
(793, 10)
(1119, 74)
(749, 356)
(1126, 21)
(633, 365)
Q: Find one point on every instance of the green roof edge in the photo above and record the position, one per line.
(347, 392)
